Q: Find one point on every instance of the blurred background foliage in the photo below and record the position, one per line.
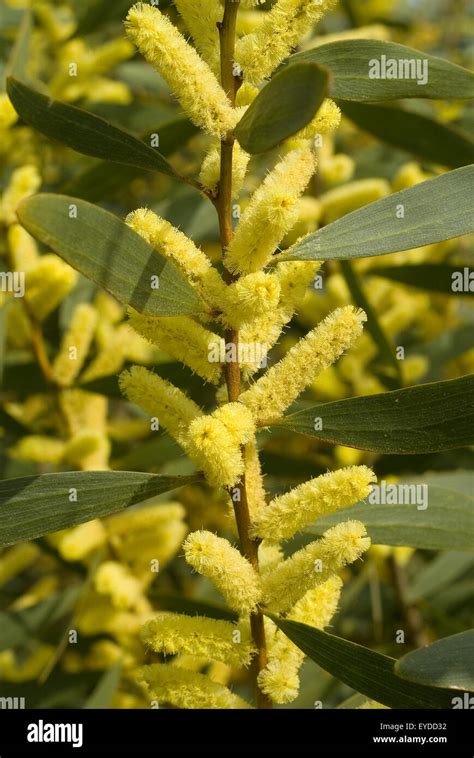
(50, 586)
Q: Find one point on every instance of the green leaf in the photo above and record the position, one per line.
(283, 107)
(447, 663)
(106, 250)
(364, 670)
(425, 418)
(105, 178)
(349, 62)
(428, 139)
(446, 523)
(445, 347)
(434, 277)
(441, 572)
(103, 693)
(83, 131)
(32, 506)
(19, 56)
(435, 210)
(17, 627)
(373, 325)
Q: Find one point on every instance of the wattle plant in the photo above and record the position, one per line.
(249, 94)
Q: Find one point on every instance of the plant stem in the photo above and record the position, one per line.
(248, 546)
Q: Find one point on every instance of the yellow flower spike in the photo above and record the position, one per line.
(288, 21)
(184, 340)
(290, 513)
(214, 443)
(84, 410)
(269, 556)
(201, 22)
(170, 242)
(271, 213)
(38, 448)
(75, 345)
(23, 182)
(309, 213)
(8, 114)
(341, 200)
(295, 277)
(76, 543)
(23, 248)
(408, 175)
(208, 445)
(251, 296)
(118, 583)
(16, 559)
(234, 577)
(218, 640)
(47, 284)
(337, 169)
(159, 398)
(263, 331)
(13, 671)
(279, 679)
(211, 167)
(246, 94)
(187, 689)
(269, 397)
(314, 564)
(190, 78)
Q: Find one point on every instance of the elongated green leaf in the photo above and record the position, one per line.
(107, 251)
(16, 627)
(425, 418)
(435, 210)
(374, 327)
(103, 179)
(17, 63)
(441, 572)
(424, 137)
(434, 277)
(351, 61)
(446, 663)
(83, 131)
(35, 505)
(106, 687)
(287, 104)
(433, 518)
(366, 671)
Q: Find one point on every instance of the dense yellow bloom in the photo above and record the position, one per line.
(187, 689)
(84, 444)
(341, 200)
(253, 478)
(251, 296)
(231, 573)
(76, 543)
(145, 518)
(279, 679)
(337, 169)
(288, 21)
(211, 167)
(201, 21)
(23, 182)
(295, 278)
(116, 581)
(269, 397)
(169, 241)
(289, 513)
(327, 119)
(75, 345)
(190, 78)
(160, 399)
(214, 443)
(271, 213)
(182, 339)
(314, 564)
(47, 284)
(17, 559)
(38, 448)
(408, 175)
(175, 633)
(22, 247)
